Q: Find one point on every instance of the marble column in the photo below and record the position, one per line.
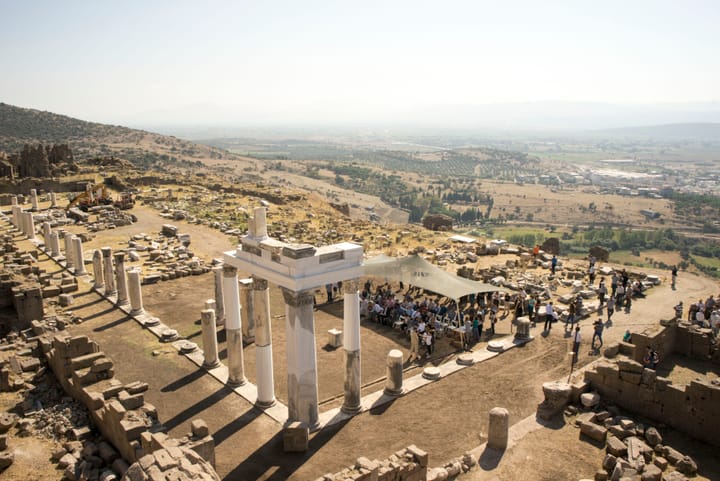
(53, 200)
(13, 200)
(34, 200)
(211, 304)
(219, 304)
(394, 381)
(16, 213)
(30, 226)
(98, 269)
(54, 244)
(69, 253)
(110, 289)
(351, 345)
(263, 342)
(233, 327)
(247, 310)
(47, 230)
(135, 291)
(120, 279)
(209, 335)
(301, 358)
(78, 257)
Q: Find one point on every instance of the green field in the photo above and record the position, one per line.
(712, 262)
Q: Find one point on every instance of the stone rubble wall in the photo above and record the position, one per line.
(693, 409)
(409, 464)
(118, 410)
(682, 338)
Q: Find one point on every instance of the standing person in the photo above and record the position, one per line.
(577, 339)
(591, 273)
(553, 264)
(602, 292)
(531, 308)
(571, 315)
(329, 292)
(414, 345)
(428, 340)
(610, 308)
(476, 327)
(673, 273)
(628, 302)
(613, 284)
(536, 251)
(620, 296)
(597, 334)
(549, 315)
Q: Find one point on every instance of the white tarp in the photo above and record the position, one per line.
(462, 238)
(416, 271)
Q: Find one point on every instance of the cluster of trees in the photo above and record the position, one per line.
(702, 209)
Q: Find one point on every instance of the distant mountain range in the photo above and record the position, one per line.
(20, 126)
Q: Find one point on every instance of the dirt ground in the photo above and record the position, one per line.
(445, 418)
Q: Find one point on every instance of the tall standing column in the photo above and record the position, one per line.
(54, 244)
(34, 200)
(135, 290)
(30, 226)
(209, 335)
(47, 230)
(263, 343)
(98, 269)
(69, 262)
(120, 279)
(351, 344)
(219, 304)
(16, 213)
(110, 289)
(247, 310)
(78, 257)
(301, 358)
(233, 327)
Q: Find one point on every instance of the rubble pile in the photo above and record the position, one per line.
(633, 450)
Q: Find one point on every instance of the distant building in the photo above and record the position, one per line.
(650, 214)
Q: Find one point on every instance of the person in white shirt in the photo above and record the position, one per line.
(549, 315)
(715, 322)
(577, 339)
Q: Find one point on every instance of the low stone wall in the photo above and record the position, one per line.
(409, 464)
(693, 409)
(682, 338)
(118, 410)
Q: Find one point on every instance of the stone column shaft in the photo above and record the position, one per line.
(78, 256)
(121, 279)
(16, 210)
(69, 251)
(351, 344)
(301, 358)
(110, 289)
(98, 269)
(13, 200)
(53, 199)
(394, 381)
(209, 335)
(233, 327)
(30, 226)
(47, 230)
(263, 342)
(34, 199)
(135, 291)
(219, 303)
(247, 310)
(54, 244)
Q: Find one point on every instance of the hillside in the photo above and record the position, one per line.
(700, 130)
(20, 126)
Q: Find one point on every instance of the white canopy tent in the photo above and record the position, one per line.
(416, 271)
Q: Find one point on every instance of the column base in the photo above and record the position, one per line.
(265, 404)
(122, 303)
(211, 365)
(137, 312)
(98, 286)
(352, 410)
(236, 382)
(393, 393)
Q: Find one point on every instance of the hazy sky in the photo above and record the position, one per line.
(289, 61)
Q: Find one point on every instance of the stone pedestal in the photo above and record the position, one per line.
(301, 358)
(219, 303)
(523, 328)
(47, 230)
(16, 214)
(394, 381)
(233, 327)
(69, 251)
(351, 343)
(498, 428)
(53, 200)
(209, 335)
(110, 289)
(247, 314)
(135, 291)
(296, 436)
(54, 245)
(120, 279)
(557, 395)
(79, 257)
(334, 338)
(262, 333)
(14, 200)
(98, 269)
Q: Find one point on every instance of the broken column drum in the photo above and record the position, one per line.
(78, 256)
(30, 226)
(209, 335)
(394, 381)
(110, 289)
(233, 327)
(263, 343)
(301, 358)
(247, 310)
(53, 199)
(121, 279)
(498, 428)
(351, 345)
(135, 291)
(98, 269)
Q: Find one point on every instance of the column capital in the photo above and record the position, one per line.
(297, 298)
(106, 251)
(229, 271)
(351, 286)
(259, 284)
(119, 257)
